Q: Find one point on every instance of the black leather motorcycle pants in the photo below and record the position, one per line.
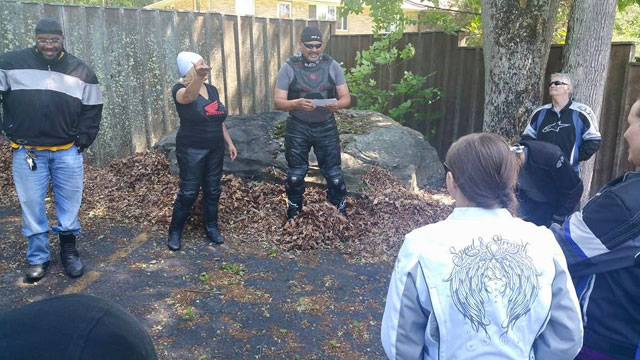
(300, 137)
(198, 168)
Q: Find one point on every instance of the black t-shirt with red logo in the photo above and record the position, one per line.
(200, 121)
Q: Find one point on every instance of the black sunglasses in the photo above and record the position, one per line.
(557, 83)
(312, 46)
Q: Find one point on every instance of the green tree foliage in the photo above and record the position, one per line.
(622, 4)
(404, 100)
(627, 25)
(469, 21)
(384, 13)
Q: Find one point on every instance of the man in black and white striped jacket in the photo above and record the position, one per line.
(52, 106)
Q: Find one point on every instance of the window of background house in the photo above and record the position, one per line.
(342, 23)
(245, 7)
(322, 12)
(284, 10)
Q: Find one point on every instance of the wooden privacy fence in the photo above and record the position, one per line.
(133, 52)
(459, 73)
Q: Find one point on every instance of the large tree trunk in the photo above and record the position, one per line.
(586, 59)
(517, 38)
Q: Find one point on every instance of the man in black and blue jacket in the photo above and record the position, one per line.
(570, 125)
(602, 247)
(52, 107)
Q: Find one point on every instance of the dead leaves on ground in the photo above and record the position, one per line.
(139, 191)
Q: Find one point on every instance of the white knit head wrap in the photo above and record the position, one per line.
(186, 60)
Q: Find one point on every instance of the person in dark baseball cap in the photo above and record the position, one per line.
(311, 34)
(311, 86)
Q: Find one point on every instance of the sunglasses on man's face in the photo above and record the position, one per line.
(557, 83)
(49, 41)
(312, 46)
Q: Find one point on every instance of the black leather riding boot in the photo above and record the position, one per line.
(69, 256)
(298, 142)
(210, 209)
(327, 149)
(293, 209)
(178, 219)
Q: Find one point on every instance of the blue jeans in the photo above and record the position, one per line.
(64, 168)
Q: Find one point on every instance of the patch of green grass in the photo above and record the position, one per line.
(189, 314)
(204, 277)
(235, 269)
(334, 343)
(303, 304)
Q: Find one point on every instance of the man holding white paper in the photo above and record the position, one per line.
(311, 87)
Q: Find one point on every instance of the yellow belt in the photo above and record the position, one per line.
(50, 148)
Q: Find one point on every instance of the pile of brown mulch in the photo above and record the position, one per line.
(7, 189)
(139, 191)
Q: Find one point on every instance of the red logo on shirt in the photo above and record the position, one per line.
(212, 109)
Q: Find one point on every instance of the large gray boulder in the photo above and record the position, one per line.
(253, 136)
(368, 139)
(394, 147)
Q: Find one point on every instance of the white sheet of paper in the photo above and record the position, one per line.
(324, 102)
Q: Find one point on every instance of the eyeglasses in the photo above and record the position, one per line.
(49, 41)
(557, 83)
(446, 167)
(312, 46)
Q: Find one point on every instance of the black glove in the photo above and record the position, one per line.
(82, 142)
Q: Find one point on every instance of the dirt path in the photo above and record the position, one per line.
(238, 301)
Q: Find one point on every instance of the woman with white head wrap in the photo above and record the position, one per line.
(199, 147)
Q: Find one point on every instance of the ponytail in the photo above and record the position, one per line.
(485, 170)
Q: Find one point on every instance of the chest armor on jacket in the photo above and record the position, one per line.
(311, 82)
